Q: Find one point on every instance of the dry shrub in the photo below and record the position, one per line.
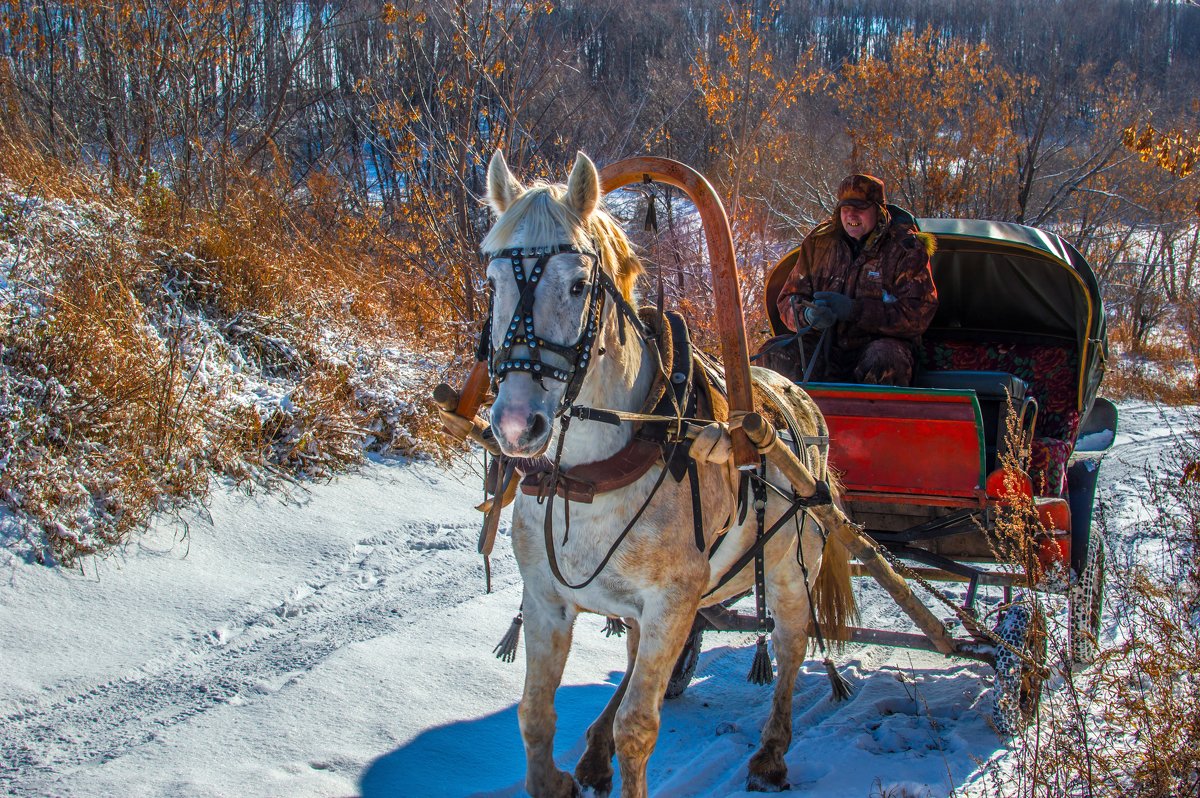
(95, 429)
(1161, 371)
(23, 159)
(1129, 725)
(313, 432)
(1189, 315)
(148, 346)
(239, 258)
(1016, 530)
(1159, 382)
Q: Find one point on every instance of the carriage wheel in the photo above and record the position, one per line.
(1018, 687)
(1085, 603)
(685, 666)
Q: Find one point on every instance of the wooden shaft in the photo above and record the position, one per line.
(995, 578)
(445, 397)
(839, 528)
(849, 536)
(730, 321)
(762, 435)
(474, 389)
(963, 647)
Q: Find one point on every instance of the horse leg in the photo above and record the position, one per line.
(595, 768)
(547, 642)
(768, 771)
(635, 727)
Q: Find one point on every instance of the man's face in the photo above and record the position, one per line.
(857, 222)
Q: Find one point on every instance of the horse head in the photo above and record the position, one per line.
(555, 257)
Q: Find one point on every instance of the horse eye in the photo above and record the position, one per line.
(578, 287)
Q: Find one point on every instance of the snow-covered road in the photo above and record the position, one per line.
(338, 642)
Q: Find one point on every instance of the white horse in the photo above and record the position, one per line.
(561, 275)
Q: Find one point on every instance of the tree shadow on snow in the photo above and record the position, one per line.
(482, 758)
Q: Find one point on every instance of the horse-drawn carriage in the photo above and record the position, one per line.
(1004, 398)
(643, 512)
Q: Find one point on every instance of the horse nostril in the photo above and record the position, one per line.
(538, 428)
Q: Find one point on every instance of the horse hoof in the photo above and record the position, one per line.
(758, 783)
(600, 788)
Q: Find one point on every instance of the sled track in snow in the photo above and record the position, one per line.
(269, 650)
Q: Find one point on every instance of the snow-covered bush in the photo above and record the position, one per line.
(135, 367)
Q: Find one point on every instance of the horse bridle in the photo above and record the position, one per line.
(521, 329)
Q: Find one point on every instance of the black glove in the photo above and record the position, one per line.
(843, 307)
(820, 317)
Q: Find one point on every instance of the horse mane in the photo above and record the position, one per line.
(546, 212)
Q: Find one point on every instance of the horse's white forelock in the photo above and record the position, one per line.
(546, 217)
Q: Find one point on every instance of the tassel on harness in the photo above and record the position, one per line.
(761, 671)
(838, 683)
(506, 649)
(615, 627)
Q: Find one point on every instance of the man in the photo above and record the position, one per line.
(864, 280)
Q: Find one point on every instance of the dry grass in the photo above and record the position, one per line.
(1129, 725)
(1162, 371)
(149, 347)
(93, 438)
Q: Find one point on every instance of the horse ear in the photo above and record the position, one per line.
(583, 187)
(502, 187)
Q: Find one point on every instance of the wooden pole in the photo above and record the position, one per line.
(474, 389)
(448, 399)
(963, 647)
(839, 528)
(731, 323)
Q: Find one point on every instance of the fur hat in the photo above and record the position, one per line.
(862, 191)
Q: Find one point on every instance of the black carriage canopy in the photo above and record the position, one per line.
(1006, 281)
(1001, 281)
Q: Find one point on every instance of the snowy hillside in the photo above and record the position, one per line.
(336, 641)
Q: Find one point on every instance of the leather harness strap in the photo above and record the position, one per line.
(548, 537)
(583, 482)
(771, 401)
(697, 505)
(668, 399)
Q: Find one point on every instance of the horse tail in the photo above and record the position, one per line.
(833, 595)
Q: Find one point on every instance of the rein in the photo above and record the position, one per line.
(548, 524)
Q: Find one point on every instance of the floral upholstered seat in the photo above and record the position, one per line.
(1051, 374)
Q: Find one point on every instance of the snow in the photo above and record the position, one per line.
(1099, 441)
(335, 640)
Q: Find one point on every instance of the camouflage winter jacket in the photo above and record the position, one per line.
(890, 280)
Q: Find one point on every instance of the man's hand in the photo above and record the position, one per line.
(843, 307)
(820, 317)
